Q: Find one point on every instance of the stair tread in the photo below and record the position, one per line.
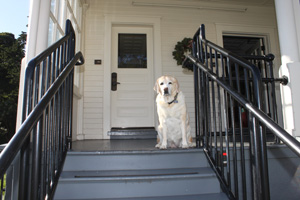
(212, 196)
(137, 174)
(134, 160)
(126, 152)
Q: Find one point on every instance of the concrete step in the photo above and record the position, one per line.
(80, 175)
(154, 174)
(134, 184)
(135, 160)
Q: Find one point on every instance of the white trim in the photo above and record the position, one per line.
(218, 7)
(288, 30)
(73, 16)
(268, 32)
(32, 29)
(37, 41)
(296, 5)
(43, 27)
(110, 20)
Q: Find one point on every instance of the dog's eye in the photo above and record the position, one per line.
(170, 82)
(161, 83)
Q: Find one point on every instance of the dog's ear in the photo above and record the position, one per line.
(156, 87)
(176, 85)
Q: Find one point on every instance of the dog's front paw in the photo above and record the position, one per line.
(163, 146)
(184, 146)
(157, 145)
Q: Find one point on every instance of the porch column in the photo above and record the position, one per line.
(37, 41)
(288, 20)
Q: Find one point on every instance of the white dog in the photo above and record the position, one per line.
(174, 129)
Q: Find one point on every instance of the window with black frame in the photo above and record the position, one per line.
(132, 50)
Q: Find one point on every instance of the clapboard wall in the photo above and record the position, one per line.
(176, 23)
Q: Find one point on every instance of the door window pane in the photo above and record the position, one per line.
(132, 50)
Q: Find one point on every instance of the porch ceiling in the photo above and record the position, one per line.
(238, 2)
(234, 2)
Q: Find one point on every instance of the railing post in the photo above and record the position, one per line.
(71, 53)
(202, 86)
(260, 178)
(24, 152)
(202, 36)
(24, 171)
(196, 99)
(36, 160)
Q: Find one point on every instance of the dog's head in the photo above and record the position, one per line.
(166, 85)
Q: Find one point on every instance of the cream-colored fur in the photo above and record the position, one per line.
(174, 128)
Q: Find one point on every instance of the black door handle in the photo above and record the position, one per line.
(114, 82)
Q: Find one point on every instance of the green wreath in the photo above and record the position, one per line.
(181, 49)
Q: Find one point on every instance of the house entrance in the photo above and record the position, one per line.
(243, 46)
(254, 50)
(132, 96)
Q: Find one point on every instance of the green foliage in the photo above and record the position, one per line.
(181, 49)
(4, 185)
(11, 54)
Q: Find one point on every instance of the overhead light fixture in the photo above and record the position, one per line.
(150, 4)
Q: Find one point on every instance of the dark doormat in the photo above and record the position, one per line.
(133, 133)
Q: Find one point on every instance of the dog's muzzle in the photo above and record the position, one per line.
(166, 91)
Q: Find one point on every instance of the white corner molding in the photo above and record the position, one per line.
(198, 7)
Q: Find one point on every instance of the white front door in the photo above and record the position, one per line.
(132, 96)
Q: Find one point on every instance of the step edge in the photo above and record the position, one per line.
(178, 197)
(139, 178)
(178, 168)
(133, 152)
(215, 195)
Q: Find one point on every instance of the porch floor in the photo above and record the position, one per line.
(114, 145)
(132, 145)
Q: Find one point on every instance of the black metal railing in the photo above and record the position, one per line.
(228, 106)
(268, 98)
(41, 143)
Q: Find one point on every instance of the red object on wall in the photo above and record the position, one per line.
(244, 118)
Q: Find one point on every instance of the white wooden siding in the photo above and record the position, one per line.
(176, 23)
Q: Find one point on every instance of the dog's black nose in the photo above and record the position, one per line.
(166, 91)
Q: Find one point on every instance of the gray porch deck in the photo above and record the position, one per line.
(114, 145)
(133, 145)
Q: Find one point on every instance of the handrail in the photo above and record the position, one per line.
(228, 110)
(13, 147)
(39, 58)
(38, 149)
(286, 138)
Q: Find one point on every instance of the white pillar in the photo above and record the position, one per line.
(287, 12)
(37, 41)
(79, 134)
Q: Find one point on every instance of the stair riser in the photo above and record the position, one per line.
(97, 162)
(93, 189)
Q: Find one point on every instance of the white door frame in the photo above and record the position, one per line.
(111, 20)
(137, 82)
(269, 33)
(271, 42)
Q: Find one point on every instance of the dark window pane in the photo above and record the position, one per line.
(132, 51)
